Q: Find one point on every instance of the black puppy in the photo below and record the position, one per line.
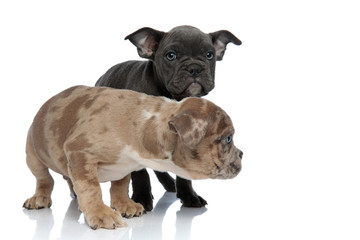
(181, 64)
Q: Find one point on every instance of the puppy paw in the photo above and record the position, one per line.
(192, 200)
(104, 217)
(37, 202)
(128, 208)
(146, 200)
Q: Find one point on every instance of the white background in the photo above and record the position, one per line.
(292, 90)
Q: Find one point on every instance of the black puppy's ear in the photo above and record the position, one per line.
(220, 39)
(146, 40)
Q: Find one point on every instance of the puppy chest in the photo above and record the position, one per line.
(116, 171)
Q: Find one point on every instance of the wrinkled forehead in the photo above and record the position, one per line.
(187, 36)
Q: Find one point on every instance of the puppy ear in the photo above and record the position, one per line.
(190, 127)
(220, 39)
(146, 40)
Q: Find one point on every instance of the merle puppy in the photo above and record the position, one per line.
(181, 63)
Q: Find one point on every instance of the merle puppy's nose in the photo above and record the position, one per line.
(240, 154)
(194, 70)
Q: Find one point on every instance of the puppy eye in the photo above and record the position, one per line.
(209, 55)
(171, 56)
(228, 139)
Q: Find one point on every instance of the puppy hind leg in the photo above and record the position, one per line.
(44, 181)
(120, 201)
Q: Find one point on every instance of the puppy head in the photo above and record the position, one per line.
(205, 146)
(184, 58)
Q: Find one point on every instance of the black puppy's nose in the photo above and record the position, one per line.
(240, 154)
(194, 70)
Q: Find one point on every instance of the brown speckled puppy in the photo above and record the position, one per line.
(92, 134)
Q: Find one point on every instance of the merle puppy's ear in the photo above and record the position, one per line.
(220, 39)
(190, 127)
(146, 40)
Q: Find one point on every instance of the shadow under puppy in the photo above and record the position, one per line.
(181, 64)
(92, 134)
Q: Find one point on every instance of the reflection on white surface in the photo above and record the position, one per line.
(146, 227)
(44, 222)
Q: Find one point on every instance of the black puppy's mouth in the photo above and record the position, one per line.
(190, 86)
(194, 89)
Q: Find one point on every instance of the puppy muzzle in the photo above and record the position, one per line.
(240, 154)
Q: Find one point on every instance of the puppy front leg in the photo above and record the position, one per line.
(83, 173)
(187, 194)
(120, 201)
(141, 187)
